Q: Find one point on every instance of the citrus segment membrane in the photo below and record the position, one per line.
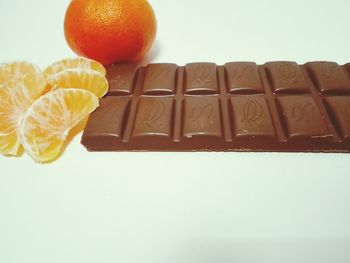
(21, 70)
(71, 63)
(49, 119)
(16, 96)
(83, 78)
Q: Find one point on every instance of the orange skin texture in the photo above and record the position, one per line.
(110, 31)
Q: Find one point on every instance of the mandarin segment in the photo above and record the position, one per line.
(80, 78)
(72, 63)
(21, 70)
(16, 96)
(9, 144)
(49, 119)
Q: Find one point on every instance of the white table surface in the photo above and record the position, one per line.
(181, 207)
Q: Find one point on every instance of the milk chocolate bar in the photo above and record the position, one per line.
(239, 106)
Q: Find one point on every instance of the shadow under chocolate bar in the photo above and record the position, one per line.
(240, 106)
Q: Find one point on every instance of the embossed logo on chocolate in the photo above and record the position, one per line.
(157, 73)
(252, 113)
(201, 75)
(110, 112)
(303, 112)
(328, 70)
(289, 72)
(202, 116)
(153, 114)
(238, 72)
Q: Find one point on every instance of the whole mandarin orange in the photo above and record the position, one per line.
(110, 31)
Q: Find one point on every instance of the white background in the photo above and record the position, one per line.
(181, 207)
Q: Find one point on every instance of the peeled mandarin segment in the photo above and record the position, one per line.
(70, 63)
(9, 140)
(9, 144)
(49, 119)
(21, 70)
(15, 97)
(80, 78)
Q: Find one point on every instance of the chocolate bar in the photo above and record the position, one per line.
(239, 106)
